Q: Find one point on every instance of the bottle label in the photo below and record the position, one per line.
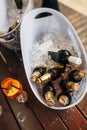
(45, 78)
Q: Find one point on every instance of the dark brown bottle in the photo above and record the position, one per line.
(68, 85)
(64, 57)
(64, 98)
(19, 4)
(37, 72)
(76, 75)
(49, 94)
(52, 74)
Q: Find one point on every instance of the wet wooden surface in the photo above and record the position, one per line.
(38, 116)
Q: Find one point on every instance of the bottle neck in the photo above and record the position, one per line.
(75, 60)
(49, 97)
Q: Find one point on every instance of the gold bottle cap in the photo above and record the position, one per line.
(34, 76)
(81, 74)
(63, 100)
(75, 86)
(1, 33)
(49, 97)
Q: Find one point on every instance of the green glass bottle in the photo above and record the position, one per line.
(37, 72)
(64, 98)
(19, 4)
(51, 74)
(49, 94)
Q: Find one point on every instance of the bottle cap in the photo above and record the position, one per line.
(75, 60)
(34, 76)
(63, 100)
(49, 97)
(75, 86)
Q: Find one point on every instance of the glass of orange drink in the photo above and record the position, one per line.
(13, 88)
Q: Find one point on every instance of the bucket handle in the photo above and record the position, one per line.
(39, 14)
(42, 15)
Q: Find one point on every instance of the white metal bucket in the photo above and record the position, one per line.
(33, 29)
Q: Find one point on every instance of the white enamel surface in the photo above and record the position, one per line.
(31, 29)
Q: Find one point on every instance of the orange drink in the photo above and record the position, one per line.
(12, 88)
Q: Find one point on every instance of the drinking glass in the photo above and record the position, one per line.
(13, 88)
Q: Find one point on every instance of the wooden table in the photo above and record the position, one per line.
(40, 117)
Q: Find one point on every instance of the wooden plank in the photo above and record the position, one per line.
(80, 23)
(75, 19)
(7, 120)
(73, 119)
(48, 118)
(65, 10)
(82, 106)
(81, 29)
(17, 107)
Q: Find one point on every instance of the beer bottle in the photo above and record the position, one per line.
(51, 74)
(64, 98)
(49, 94)
(37, 72)
(76, 75)
(64, 57)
